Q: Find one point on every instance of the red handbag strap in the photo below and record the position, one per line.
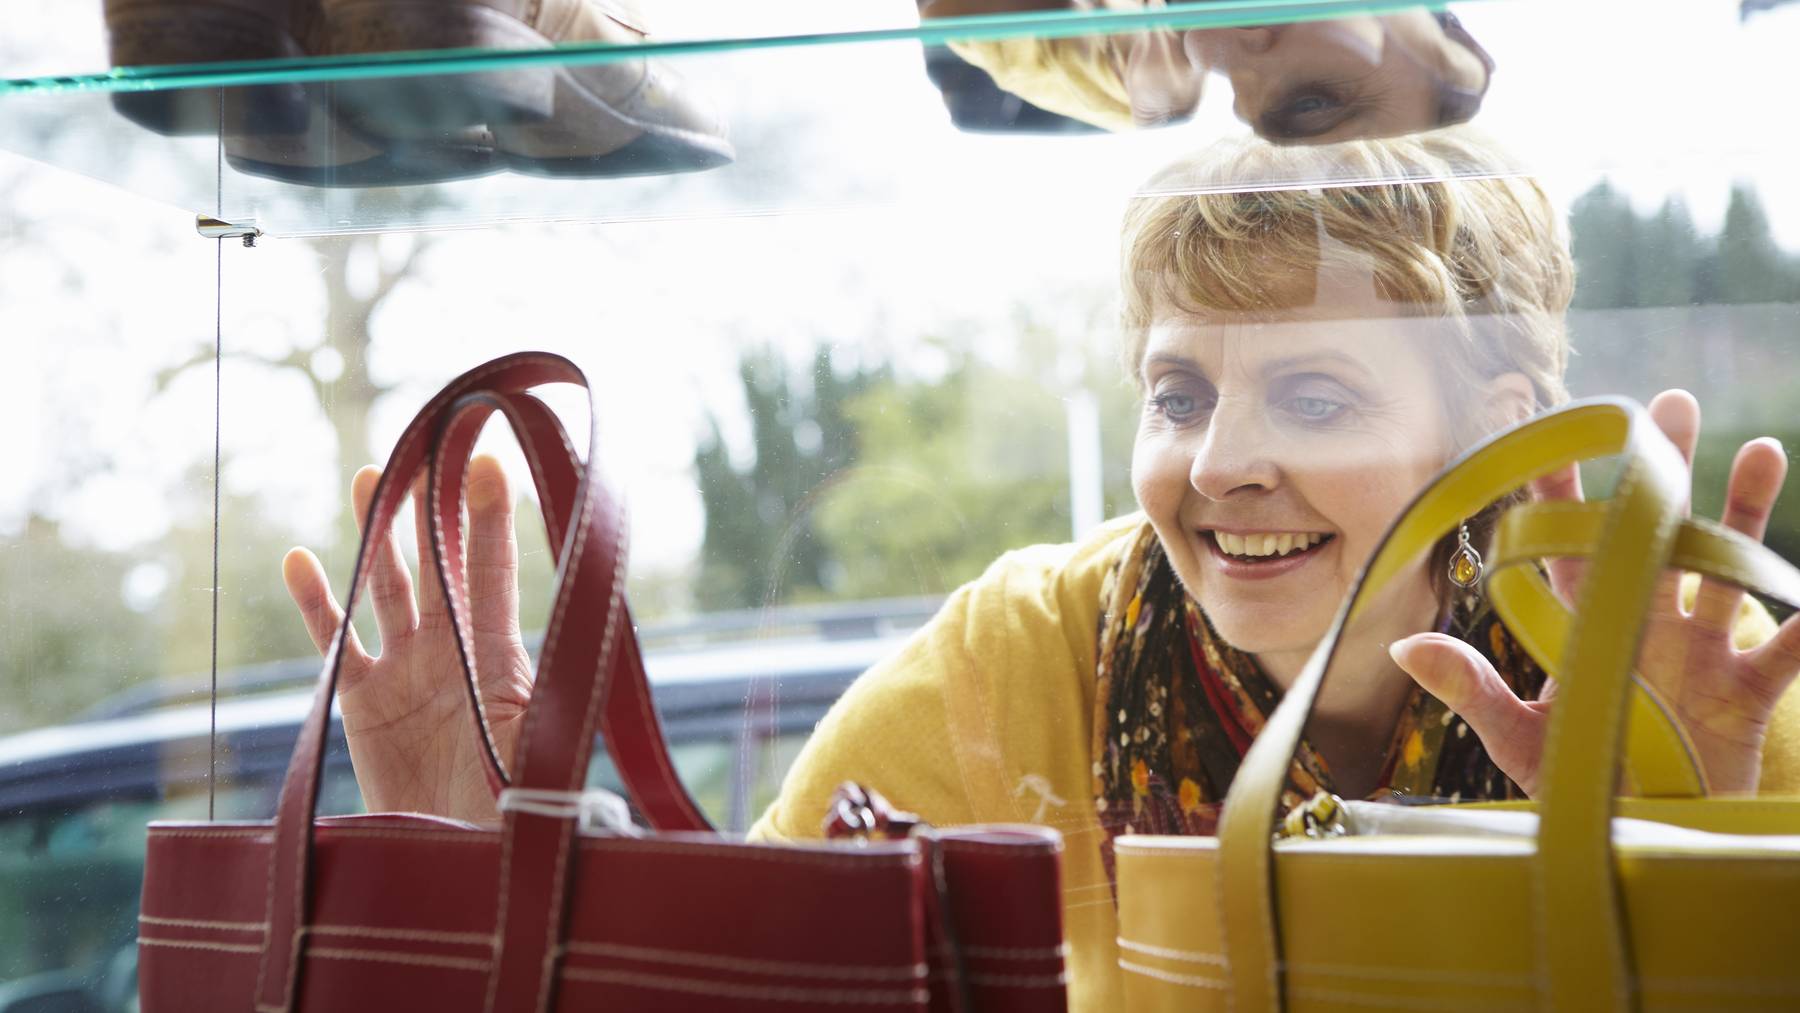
(291, 852)
(627, 721)
(581, 657)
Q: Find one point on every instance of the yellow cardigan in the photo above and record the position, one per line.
(985, 716)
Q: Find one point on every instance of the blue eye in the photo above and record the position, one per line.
(1315, 409)
(1176, 407)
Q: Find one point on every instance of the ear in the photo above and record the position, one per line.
(1510, 400)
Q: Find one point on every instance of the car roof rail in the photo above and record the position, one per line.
(837, 621)
(853, 620)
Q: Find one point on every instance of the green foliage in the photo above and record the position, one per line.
(907, 484)
(1750, 268)
(71, 638)
(67, 637)
(956, 470)
(760, 545)
(1626, 260)
(1658, 303)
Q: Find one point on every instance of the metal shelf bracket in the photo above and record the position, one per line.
(212, 228)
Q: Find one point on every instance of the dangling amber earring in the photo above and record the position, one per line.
(1465, 562)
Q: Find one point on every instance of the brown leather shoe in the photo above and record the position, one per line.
(171, 32)
(630, 116)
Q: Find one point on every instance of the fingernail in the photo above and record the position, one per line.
(1396, 649)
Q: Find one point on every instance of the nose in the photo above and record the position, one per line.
(1234, 454)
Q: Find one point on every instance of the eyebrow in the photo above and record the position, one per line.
(1284, 364)
(1291, 363)
(1171, 359)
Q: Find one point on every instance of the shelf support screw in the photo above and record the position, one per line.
(212, 228)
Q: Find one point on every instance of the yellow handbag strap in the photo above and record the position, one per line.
(1572, 873)
(1533, 531)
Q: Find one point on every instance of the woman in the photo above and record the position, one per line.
(1308, 358)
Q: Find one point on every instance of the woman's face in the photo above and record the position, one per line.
(1323, 81)
(1272, 456)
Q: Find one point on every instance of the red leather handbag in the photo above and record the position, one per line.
(401, 911)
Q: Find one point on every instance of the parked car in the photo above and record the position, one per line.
(74, 798)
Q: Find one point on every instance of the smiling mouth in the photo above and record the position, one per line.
(1266, 546)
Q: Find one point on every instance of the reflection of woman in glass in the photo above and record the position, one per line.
(1308, 358)
(1308, 82)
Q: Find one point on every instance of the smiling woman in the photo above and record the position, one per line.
(1308, 358)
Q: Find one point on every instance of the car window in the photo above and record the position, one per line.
(70, 877)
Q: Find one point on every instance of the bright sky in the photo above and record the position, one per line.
(905, 228)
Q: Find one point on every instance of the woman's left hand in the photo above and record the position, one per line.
(1723, 696)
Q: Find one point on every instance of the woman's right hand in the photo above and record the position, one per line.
(406, 712)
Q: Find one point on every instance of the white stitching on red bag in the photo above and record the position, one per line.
(397, 957)
(608, 642)
(721, 962)
(195, 944)
(200, 923)
(577, 516)
(419, 935)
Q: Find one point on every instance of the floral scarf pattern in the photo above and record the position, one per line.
(1178, 708)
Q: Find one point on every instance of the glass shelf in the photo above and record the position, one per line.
(824, 121)
(809, 122)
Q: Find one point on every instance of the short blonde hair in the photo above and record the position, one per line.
(1446, 231)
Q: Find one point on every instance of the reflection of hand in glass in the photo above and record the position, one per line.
(406, 711)
(1724, 697)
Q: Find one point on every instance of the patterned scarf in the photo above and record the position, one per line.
(1179, 707)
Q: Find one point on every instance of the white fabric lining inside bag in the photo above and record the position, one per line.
(1378, 828)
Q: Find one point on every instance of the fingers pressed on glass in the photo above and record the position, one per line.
(390, 581)
(1677, 414)
(319, 609)
(1757, 474)
(432, 611)
(493, 549)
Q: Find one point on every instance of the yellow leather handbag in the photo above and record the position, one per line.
(1565, 906)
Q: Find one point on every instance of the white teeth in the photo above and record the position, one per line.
(1270, 544)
